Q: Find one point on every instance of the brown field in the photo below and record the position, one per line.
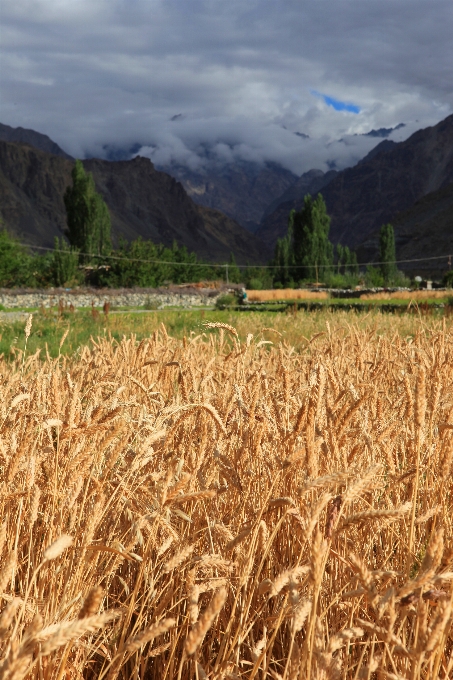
(295, 294)
(213, 508)
(415, 295)
(286, 294)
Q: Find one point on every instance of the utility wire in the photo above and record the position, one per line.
(240, 266)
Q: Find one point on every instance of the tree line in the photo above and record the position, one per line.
(305, 253)
(86, 255)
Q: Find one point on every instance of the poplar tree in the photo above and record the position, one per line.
(387, 253)
(88, 217)
(234, 273)
(312, 250)
(340, 257)
(283, 259)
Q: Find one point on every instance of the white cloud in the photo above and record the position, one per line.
(91, 73)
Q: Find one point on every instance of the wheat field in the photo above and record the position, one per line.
(286, 294)
(216, 507)
(410, 295)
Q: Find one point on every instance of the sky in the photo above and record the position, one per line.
(196, 82)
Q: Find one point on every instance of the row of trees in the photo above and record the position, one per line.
(304, 254)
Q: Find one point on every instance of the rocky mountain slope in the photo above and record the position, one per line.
(390, 180)
(241, 190)
(142, 202)
(425, 230)
(408, 183)
(246, 191)
(36, 139)
(275, 219)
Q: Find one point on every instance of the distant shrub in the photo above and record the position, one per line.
(374, 278)
(151, 304)
(255, 284)
(225, 301)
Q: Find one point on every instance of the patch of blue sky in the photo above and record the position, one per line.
(336, 103)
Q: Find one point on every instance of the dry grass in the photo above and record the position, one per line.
(415, 295)
(286, 294)
(217, 508)
(295, 294)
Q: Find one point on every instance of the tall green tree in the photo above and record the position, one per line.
(352, 266)
(88, 217)
(313, 252)
(234, 273)
(387, 253)
(340, 257)
(283, 256)
(346, 261)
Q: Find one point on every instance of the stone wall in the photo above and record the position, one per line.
(153, 299)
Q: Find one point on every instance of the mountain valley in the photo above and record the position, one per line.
(143, 202)
(214, 213)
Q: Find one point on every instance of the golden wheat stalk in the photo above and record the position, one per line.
(201, 627)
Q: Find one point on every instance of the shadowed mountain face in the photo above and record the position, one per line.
(408, 184)
(423, 231)
(363, 198)
(392, 177)
(142, 202)
(36, 139)
(274, 224)
(241, 190)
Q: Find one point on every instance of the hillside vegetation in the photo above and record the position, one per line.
(217, 507)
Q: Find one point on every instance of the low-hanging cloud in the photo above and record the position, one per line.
(196, 82)
(223, 143)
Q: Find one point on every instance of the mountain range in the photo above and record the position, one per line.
(33, 138)
(142, 201)
(408, 183)
(243, 190)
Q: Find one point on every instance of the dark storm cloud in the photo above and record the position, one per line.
(91, 73)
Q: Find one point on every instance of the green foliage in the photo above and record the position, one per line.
(65, 263)
(373, 277)
(313, 252)
(256, 278)
(151, 304)
(346, 261)
(134, 269)
(41, 271)
(402, 280)
(283, 257)
(352, 267)
(387, 253)
(345, 281)
(87, 215)
(224, 301)
(255, 284)
(234, 273)
(15, 262)
(346, 273)
(306, 253)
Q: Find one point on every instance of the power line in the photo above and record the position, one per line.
(132, 259)
(240, 266)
